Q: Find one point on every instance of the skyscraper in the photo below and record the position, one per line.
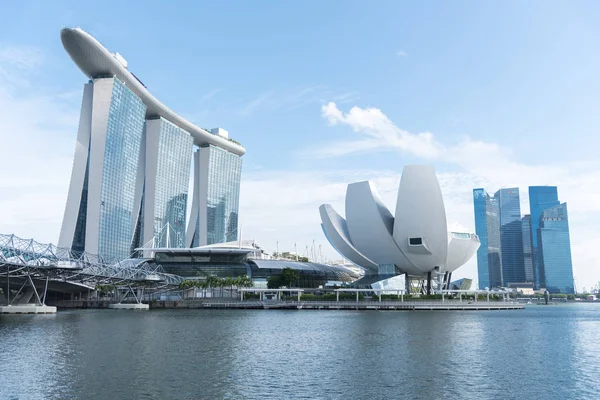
(500, 257)
(215, 203)
(511, 236)
(167, 174)
(527, 249)
(132, 163)
(487, 227)
(555, 250)
(540, 198)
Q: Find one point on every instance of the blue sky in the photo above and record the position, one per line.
(323, 93)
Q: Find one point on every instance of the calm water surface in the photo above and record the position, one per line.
(550, 352)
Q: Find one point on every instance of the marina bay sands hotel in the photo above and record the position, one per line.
(131, 172)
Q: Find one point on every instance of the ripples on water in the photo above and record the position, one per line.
(541, 352)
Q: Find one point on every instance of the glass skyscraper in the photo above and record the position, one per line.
(555, 250)
(533, 250)
(130, 177)
(167, 173)
(217, 179)
(540, 198)
(487, 227)
(527, 249)
(500, 256)
(99, 217)
(511, 236)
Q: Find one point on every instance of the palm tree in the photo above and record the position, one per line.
(222, 283)
(232, 283)
(211, 283)
(204, 286)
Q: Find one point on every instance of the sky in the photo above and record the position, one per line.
(321, 94)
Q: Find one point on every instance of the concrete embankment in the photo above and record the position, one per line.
(307, 305)
(60, 304)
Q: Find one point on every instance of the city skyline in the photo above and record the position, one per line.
(322, 107)
(527, 251)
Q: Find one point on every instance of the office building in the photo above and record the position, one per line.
(131, 171)
(540, 198)
(555, 250)
(531, 251)
(487, 228)
(217, 175)
(527, 249)
(511, 236)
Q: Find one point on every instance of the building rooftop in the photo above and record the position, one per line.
(96, 61)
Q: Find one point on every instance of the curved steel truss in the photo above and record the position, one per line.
(20, 258)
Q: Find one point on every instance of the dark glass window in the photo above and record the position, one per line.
(415, 241)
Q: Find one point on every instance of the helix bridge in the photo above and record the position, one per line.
(27, 262)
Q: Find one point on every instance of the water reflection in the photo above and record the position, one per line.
(538, 352)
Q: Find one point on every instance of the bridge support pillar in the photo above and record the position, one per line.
(429, 283)
(25, 297)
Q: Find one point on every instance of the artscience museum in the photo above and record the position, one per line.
(414, 242)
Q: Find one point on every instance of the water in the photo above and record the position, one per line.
(541, 352)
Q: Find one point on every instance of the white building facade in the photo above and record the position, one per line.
(414, 242)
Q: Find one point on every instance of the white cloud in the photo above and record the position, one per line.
(37, 141)
(377, 132)
(255, 103)
(211, 94)
(401, 53)
(296, 98)
(14, 62)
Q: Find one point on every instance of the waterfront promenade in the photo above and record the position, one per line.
(224, 303)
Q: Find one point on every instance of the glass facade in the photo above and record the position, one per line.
(172, 180)
(223, 195)
(527, 249)
(494, 243)
(487, 228)
(511, 236)
(78, 245)
(121, 161)
(480, 198)
(540, 198)
(555, 250)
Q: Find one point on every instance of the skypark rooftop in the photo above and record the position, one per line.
(96, 61)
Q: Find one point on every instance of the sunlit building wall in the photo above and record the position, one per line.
(511, 236)
(527, 249)
(99, 217)
(216, 196)
(555, 250)
(540, 199)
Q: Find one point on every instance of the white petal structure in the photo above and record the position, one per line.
(336, 231)
(461, 247)
(420, 226)
(416, 241)
(371, 225)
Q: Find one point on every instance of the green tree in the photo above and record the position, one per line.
(212, 283)
(275, 282)
(289, 275)
(229, 281)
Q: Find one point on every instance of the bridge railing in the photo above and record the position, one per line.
(61, 263)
